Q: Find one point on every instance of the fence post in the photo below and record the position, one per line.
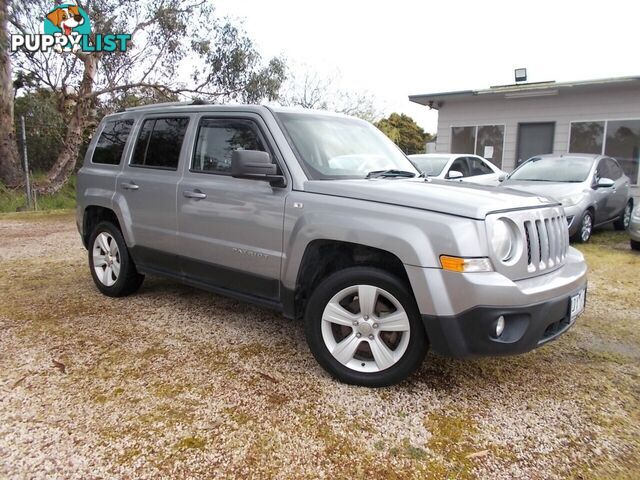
(26, 163)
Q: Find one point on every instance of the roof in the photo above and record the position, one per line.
(523, 90)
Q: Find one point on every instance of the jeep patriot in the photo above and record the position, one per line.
(323, 218)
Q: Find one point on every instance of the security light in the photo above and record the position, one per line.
(521, 74)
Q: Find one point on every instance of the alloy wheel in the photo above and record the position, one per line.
(626, 219)
(587, 226)
(365, 328)
(106, 259)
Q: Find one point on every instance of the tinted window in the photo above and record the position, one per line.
(478, 167)
(217, 139)
(608, 168)
(554, 169)
(459, 165)
(112, 141)
(159, 143)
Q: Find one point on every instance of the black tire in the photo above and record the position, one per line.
(129, 280)
(635, 245)
(416, 347)
(622, 223)
(578, 237)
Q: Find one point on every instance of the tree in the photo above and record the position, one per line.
(179, 49)
(405, 133)
(309, 89)
(9, 158)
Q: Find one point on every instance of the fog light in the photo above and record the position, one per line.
(499, 326)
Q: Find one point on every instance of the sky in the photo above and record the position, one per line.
(394, 49)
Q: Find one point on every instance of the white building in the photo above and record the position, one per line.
(511, 123)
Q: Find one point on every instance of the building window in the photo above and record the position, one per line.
(484, 140)
(623, 144)
(586, 137)
(463, 139)
(619, 139)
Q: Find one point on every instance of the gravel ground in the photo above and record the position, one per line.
(175, 382)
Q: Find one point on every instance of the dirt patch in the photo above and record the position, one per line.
(175, 382)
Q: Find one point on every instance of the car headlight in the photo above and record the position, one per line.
(570, 200)
(504, 239)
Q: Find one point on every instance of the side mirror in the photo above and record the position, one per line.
(605, 183)
(255, 165)
(453, 174)
(502, 177)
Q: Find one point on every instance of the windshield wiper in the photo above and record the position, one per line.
(390, 173)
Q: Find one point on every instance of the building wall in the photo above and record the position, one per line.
(601, 104)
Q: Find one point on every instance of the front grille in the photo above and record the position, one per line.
(547, 242)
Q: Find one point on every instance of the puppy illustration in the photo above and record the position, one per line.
(66, 19)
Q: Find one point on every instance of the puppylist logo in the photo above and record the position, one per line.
(67, 28)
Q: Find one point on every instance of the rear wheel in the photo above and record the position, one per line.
(112, 268)
(586, 228)
(363, 326)
(622, 223)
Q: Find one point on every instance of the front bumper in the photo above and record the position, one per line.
(526, 327)
(460, 309)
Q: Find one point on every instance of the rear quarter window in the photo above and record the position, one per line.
(112, 141)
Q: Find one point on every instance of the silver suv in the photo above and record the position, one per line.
(323, 218)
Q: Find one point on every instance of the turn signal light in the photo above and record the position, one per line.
(465, 265)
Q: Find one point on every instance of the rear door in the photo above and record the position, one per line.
(230, 229)
(148, 184)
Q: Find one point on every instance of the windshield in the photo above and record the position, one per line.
(431, 166)
(558, 169)
(334, 147)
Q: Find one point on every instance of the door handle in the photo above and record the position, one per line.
(130, 186)
(195, 194)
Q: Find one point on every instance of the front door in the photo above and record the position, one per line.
(230, 229)
(534, 139)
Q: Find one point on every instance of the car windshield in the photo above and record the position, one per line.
(331, 147)
(431, 166)
(554, 169)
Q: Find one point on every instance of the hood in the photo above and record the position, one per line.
(555, 190)
(461, 199)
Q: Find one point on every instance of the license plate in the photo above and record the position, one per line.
(577, 304)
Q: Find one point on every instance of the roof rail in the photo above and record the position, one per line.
(197, 101)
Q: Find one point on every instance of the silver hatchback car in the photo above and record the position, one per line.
(593, 189)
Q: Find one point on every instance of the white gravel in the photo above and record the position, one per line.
(177, 383)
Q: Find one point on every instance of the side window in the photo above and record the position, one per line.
(111, 143)
(602, 171)
(159, 143)
(217, 139)
(614, 169)
(478, 167)
(459, 165)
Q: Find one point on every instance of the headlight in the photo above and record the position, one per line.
(570, 200)
(504, 239)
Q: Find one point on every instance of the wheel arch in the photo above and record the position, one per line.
(323, 257)
(93, 215)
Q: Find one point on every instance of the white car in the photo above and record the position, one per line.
(458, 167)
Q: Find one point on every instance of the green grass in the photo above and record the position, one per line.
(11, 200)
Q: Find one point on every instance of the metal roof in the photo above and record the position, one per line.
(532, 89)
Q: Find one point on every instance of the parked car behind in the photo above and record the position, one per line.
(460, 167)
(593, 189)
(634, 229)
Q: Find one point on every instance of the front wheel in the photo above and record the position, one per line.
(112, 268)
(622, 223)
(363, 326)
(586, 228)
